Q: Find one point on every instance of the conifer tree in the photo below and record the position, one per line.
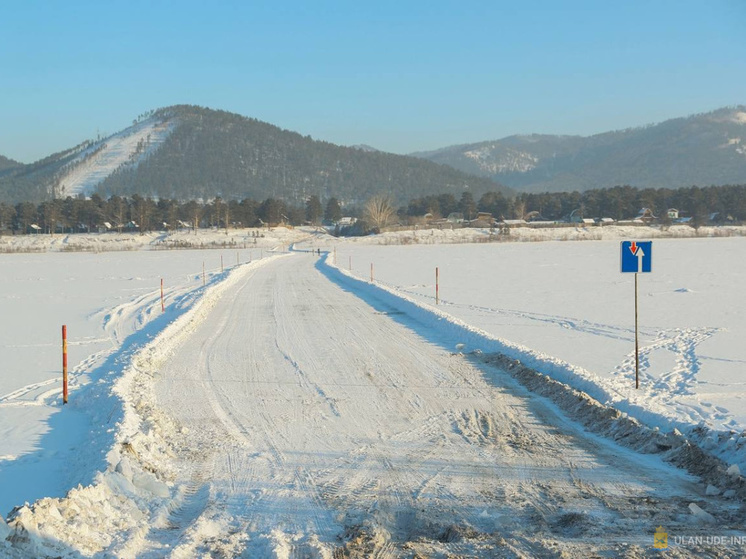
(333, 212)
(313, 209)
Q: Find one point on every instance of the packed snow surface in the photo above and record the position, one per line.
(281, 407)
(569, 308)
(570, 300)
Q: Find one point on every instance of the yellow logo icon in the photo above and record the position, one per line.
(660, 539)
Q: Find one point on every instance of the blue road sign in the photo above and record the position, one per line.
(637, 256)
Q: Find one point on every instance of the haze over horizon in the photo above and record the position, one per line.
(401, 77)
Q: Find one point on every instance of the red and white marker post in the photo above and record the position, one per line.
(64, 364)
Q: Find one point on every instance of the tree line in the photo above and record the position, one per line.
(618, 203)
(147, 214)
(140, 213)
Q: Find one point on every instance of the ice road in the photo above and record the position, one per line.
(313, 422)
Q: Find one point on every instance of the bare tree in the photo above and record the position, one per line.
(520, 209)
(379, 210)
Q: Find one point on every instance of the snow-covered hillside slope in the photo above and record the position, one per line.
(101, 159)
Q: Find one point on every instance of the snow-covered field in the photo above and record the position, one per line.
(181, 239)
(164, 471)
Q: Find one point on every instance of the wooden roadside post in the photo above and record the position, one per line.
(64, 364)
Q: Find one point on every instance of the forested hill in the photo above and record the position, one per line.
(6, 163)
(213, 153)
(705, 149)
(187, 152)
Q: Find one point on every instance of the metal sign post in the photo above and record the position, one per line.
(636, 258)
(637, 342)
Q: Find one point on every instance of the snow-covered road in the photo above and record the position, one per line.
(309, 421)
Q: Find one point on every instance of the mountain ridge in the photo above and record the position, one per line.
(703, 149)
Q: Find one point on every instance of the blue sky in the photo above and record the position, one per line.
(401, 76)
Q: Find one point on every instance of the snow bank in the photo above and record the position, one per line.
(253, 238)
(447, 235)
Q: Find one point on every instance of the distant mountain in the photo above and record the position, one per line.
(187, 152)
(705, 149)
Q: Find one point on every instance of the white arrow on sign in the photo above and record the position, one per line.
(639, 255)
(636, 250)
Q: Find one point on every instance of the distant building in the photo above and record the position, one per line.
(534, 216)
(483, 219)
(646, 215)
(576, 216)
(717, 217)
